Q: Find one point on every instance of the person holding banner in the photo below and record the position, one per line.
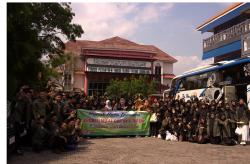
(108, 106)
(121, 105)
(146, 106)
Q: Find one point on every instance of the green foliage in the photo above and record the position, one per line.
(57, 61)
(34, 30)
(129, 87)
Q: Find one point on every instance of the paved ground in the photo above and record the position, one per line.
(139, 150)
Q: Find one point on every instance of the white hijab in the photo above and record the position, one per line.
(108, 105)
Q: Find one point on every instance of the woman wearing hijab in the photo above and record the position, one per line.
(108, 106)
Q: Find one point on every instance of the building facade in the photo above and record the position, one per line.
(95, 63)
(230, 34)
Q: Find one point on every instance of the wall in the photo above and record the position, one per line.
(78, 81)
(168, 68)
(78, 63)
(167, 82)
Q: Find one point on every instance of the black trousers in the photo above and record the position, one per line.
(153, 128)
(58, 144)
(158, 127)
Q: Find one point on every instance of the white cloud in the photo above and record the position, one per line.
(152, 12)
(102, 20)
(186, 63)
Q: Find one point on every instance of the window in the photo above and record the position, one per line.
(148, 72)
(134, 70)
(121, 70)
(194, 82)
(125, 70)
(117, 70)
(157, 70)
(97, 88)
(141, 71)
(246, 44)
(92, 69)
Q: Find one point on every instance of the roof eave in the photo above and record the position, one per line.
(225, 12)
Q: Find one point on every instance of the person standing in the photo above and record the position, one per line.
(40, 106)
(242, 121)
(108, 106)
(154, 120)
(121, 106)
(58, 109)
(19, 116)
(40, 135)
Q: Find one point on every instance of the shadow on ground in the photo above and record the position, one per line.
(47, 156)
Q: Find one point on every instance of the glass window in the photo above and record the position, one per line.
(92, 69)
(98, 88)
(94, 85)
(91, 86)
(125, 70)
(134, 71)
(117, 70)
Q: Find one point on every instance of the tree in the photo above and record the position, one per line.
(35, 30)
(114, 90)
(129, 87)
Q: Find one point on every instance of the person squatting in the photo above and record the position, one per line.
(49, 118)
(203, 122)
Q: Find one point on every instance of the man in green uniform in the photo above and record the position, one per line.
(40, 106)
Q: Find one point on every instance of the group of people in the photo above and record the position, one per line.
(199, 121)
(48, 119)
(44, 120)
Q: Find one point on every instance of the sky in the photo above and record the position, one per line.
(169, 26)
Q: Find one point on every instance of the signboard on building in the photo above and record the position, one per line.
(116, 62)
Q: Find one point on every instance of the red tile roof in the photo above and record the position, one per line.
(168, 76)
(118, 43)
(220, 14)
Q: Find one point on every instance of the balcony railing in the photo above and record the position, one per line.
(227, 36)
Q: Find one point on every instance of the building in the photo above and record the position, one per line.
(230, 32)
(230, 44)
(95, 63)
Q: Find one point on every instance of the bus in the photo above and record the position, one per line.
(228, 80)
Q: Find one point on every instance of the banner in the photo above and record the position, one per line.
(112, 123)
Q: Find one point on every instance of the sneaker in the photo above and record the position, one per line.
(243, 143)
